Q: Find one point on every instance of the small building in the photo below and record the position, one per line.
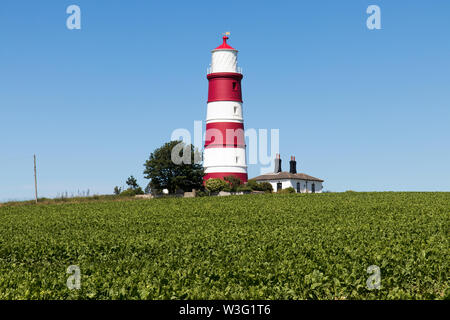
(302, 183)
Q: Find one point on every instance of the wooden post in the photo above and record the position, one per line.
(35, 180)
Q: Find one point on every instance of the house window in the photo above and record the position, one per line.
(298, 187)
(279, 186)
(313, 188)
(234, 85)
(237, 159)
(235, 110)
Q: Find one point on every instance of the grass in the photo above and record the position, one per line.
(274, 246)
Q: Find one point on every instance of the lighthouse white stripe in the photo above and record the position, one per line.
(227, 169)
(224, 111)
(224, 157)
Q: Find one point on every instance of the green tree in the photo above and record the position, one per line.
(133, 188)
(132, 183)
(117, 190)
(173, 166)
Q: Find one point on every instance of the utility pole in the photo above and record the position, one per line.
(35, 180)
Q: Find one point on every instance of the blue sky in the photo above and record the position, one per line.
(362, 109)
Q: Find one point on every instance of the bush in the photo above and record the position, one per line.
(243, 188)
(287, 190)
(216, 185)
(227, 188)
(234, 182)
(201, 194)
(131, 192)
(266, 187)
(128, 193)
(253, 184)
(259, 186)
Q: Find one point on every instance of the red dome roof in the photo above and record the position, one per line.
(225, 45)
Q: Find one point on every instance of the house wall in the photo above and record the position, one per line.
(305, 186)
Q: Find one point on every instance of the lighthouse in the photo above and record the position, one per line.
(224, 152)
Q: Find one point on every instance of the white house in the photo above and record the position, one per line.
(302, 183)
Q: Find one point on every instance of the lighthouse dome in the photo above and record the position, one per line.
(224, 45)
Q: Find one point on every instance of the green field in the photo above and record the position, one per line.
(314, 246)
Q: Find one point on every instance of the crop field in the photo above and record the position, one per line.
(313, 246)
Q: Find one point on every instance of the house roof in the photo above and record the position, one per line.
(286, 175)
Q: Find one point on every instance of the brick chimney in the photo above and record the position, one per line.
(277, 163)
(293, 165)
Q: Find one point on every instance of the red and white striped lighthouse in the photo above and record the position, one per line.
(224, 152)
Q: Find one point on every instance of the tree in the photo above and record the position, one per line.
(117, 190)
(164, 173)
(132, 183)
(133, 188)
(148, 189)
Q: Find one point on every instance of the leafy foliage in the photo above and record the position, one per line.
(131, 192)
(133, 188)
(132, 183)
(287, 190)
(243, 188)
(117, 190)
(265, 186)
(216, 185)
(273, 246)
(234, 182)
(260, 186)
(165, 174)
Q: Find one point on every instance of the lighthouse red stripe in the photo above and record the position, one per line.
(224, 86)
(224, 134)
(225, 146)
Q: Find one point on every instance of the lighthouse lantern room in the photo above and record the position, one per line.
(224, 152)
